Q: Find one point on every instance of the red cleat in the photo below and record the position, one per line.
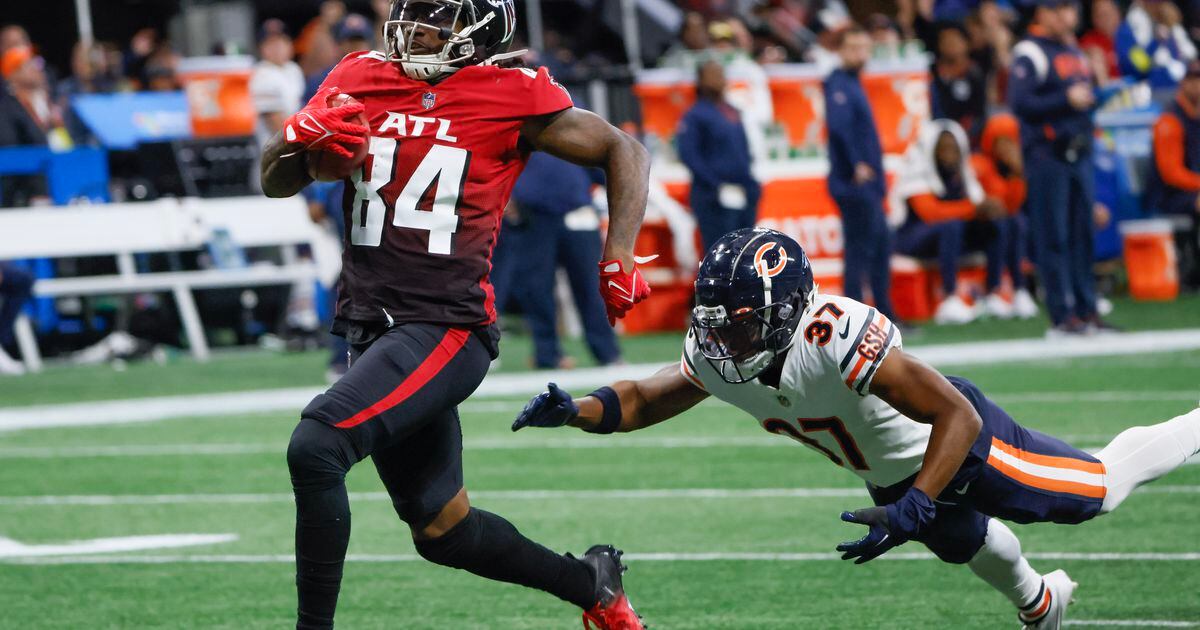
(612, 610)
(617, 615)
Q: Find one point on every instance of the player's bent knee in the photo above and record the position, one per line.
(318, 451)
(454, 512)
(455, 547)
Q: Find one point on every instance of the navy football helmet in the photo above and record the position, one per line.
(751, 291)
(472, 32)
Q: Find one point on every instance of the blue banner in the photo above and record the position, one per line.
(121, 121)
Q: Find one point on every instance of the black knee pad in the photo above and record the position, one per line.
(318, 454)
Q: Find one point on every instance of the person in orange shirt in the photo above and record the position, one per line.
(1001, 173)
(1174, 184)
(947, 213)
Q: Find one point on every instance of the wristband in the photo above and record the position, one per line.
(610, 418)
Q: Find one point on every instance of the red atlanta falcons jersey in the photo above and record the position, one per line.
(422, 213)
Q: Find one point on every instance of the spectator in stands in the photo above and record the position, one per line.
(828, 19)
(26, 112)
(1100, 42)
(560, 228)
(958, 86)
(885, 37)
(352, 35)
(277, 83)
(712, 144)
(13, 35)
(1050, 91)
(1153, 45)
(16, 287)
(316, 44)
(693, 42)
(1174, 184)
(382, 9)
(90, 74)
(856, 178)
(28, 117)
(1002, 175)
(946, 213)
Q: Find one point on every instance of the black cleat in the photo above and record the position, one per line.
(612, 610)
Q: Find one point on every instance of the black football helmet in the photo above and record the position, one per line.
(471, 31)
(751, 291)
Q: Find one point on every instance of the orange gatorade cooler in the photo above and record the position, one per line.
(1150, 259)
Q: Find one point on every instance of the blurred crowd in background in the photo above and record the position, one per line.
(964, 185)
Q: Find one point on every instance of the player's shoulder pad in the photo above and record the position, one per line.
(850, 336)
(687, 362)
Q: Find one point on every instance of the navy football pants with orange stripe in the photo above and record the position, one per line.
(1012, 473)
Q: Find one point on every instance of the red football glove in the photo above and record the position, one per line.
(622, 289)
(319, 126)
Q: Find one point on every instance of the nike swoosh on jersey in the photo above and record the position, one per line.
(845, 330)
(964, 488)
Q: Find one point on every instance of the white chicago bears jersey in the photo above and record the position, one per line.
(823, 399)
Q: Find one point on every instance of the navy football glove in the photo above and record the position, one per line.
(891, 526)
(549, 409)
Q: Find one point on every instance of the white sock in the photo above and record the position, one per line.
(1000, 563)
(1142, 454)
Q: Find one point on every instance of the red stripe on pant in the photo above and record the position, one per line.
(449, 346)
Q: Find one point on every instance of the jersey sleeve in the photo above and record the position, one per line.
(861, 338)
(687, 362)
(540, 94)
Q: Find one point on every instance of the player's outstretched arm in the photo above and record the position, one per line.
(922, 394)
(621, 407)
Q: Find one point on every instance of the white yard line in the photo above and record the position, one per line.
(10, 548)
(1132, 623)
(516, 495)
(733, 556)
(292, 399)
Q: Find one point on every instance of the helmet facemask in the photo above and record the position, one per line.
(741, 346)
(448, 21)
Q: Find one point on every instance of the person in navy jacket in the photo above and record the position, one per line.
(559, 227)
(1051, 93)
(856, 178)
(712, 144)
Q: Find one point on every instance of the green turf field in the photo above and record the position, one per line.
(708, 482)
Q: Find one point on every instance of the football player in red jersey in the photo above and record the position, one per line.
(449, 132)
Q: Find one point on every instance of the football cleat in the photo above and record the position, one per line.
(1057, 596)
(612, 610)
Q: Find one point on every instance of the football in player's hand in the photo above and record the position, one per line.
(325, 165)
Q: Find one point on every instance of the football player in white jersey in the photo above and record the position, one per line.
(942, 462)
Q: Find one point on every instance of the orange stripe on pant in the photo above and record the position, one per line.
(1044, 483)
(1052, 461)
(451, 343)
